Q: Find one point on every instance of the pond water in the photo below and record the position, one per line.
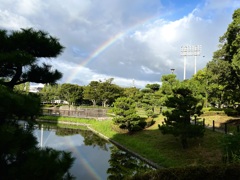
(96, 158)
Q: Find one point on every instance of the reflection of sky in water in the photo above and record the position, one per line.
(90, 163)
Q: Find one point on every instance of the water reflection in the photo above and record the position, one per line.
(123, 164)
(96, 158)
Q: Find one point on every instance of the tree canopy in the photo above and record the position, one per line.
(20, 53)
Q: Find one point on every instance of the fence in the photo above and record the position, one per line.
(224, 127)
(82, 113)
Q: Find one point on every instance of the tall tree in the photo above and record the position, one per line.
(20, 158)
(20, 52)
(109, 92)
(168, 83)
(49, 93)
(91, 92)
(229, 54)
(133, 93)
(149, 100)
(72, 93)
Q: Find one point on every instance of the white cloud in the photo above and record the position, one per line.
(11, 21)
(152, 34)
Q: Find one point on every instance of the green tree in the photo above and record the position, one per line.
(155, 87)
(109, 92)
(182, 104)
(72, 93)
(133, 93)
(149, 100)
(126, 115)
(19, 154)
(20, 158)
(20, 52)
(226, 60)
(50, 93)
(23, 87)
(91, 92)
(17, 104)
(168, 83)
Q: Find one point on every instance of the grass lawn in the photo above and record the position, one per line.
(164, 150)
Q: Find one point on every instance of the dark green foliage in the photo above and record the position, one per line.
(134, 94)
(231, 148)
(231, 112)
(182, 104)
(19, 54)
(153, 87)
(126, 117)
(72, 93)
(16, 104)
(104, 93)
(49, 93)
(20, 158)
(193, 173)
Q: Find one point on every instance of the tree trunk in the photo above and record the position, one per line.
(15, 78)
(94, 102)
(104, 103)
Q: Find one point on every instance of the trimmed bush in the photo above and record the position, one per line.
(231, 112)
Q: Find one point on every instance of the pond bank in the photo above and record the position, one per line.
(152, 164)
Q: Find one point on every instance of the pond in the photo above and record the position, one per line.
(95, 158)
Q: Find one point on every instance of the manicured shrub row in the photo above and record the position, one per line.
(213, 113)
(193, 173)
(221, 111)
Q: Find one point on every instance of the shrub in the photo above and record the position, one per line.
(231, 112)
(193, 173)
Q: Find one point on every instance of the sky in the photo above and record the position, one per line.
(133, 41)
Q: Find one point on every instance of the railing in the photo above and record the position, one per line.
(82, 113)
(225, 127)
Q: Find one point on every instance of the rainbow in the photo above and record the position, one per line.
(83, 160)
(76, 152)
(108, 43)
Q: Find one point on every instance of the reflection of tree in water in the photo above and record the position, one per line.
(67, 131)
(123, 164)
(90, 139)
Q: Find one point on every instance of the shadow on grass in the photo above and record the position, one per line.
(167, 151)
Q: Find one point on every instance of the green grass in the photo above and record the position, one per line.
(164, 150)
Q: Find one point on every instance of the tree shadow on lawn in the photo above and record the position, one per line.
(167, 151)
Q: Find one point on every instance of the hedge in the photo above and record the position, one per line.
(216, 172)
